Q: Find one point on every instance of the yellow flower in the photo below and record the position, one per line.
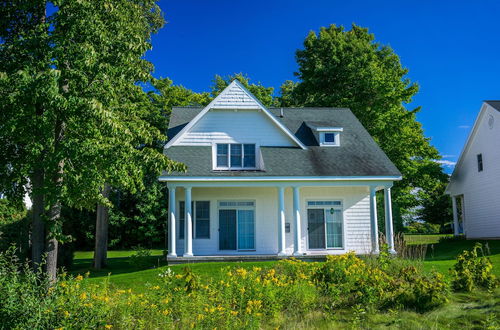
(79, 278)
(156, 287)
(200, 317)
(63, 284)
(108, 326)
(83, 296)
(153, 306)
(166, 301)
(165, 312)
(66, 314)
(234, 313)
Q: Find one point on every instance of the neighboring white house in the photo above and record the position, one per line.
(475, 183)
(273, 181)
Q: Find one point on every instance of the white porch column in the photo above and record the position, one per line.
(373, 220)
(188, 231)
(455, 215)
(281, 221)
(389, 231)
(297, 249)
(171, 228)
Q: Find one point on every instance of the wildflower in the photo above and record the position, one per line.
(66, 314)
(200, 317)
(83, 296)
(166, 301)
(165, 312)
(156, 287)
(108, 326)
(234, 313)
(79, 278)
(63, 284)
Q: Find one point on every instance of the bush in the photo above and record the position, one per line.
(141, 258)
(240, 297)
(473, 269)
(14, 228)
(417, 227)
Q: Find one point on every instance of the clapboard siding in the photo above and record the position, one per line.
(481, 190)
(228, 126)
(356, 218)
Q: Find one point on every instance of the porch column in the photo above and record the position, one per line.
(297, 249)
(171, 228)
(281, 221)
(373, 220)
(455, 215)
(389, 231)
(188, 231)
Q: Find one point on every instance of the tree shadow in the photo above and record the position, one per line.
(115, 266)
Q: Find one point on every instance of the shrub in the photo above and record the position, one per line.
(473, 269)
(141, 258)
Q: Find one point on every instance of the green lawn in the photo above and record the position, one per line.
(424, 239)
(440, 257)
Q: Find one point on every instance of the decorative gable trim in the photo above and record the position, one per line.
(235, 96)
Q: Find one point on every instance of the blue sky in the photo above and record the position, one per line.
(452, 49)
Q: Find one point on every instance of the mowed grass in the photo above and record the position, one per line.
(123, 274)
(424, 239)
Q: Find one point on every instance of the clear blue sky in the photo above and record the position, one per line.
(452, 49)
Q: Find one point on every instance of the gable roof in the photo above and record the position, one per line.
(234, 96)
(358, 154)
(495, 105)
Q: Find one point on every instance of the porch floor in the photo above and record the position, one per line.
(236, 258)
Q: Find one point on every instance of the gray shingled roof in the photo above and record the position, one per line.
(358, 154)
(494, 104)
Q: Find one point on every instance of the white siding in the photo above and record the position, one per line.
(235, 98)
(356, 217)
(230, 126)
(481, 190)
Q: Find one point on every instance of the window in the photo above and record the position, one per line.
(325, 224)
(201, 218)
(235, 156)
(480, 162)
(329, 139)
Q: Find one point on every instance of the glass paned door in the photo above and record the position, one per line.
(333, 228)
(246, 230)
(227, 229)
(316, 228)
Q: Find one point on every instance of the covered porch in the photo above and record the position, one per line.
(246, 219)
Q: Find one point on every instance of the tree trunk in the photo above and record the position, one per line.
(38, 225)
(101, 232)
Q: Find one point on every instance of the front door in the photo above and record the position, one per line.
(227, 229)
(316, 226)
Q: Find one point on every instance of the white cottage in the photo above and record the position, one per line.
(475, 183)
(273, 181)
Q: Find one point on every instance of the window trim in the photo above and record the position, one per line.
(480, 162)
(323, 143)
(182, 217)
(238, 168)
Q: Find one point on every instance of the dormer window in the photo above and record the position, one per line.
(329, 136)
(235, 156)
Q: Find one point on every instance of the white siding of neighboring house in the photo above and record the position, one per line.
(356, 217)
(222, 126)
(481, 190)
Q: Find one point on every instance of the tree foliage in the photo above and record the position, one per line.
(72, 109)
(340, 68)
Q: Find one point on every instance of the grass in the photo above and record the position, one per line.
(424, 239)
(474, 310)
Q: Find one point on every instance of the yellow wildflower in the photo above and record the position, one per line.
(200, 317)
(234, 313)
(83, 296)
(156, 287)
(165, 312)
(66, 314)
(108, 326)
(63, 284)
(79, 278)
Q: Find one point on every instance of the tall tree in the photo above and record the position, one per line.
(77, 117)
(339, 68)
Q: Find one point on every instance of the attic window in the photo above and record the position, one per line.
(329, 138)
(235, 156)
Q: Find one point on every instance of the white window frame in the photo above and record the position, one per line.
(326, 207)
(194, 218)
(239, 168)
(322, 140)
(239, 207)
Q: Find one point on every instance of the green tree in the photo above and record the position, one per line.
(73, 113)
(339, 68)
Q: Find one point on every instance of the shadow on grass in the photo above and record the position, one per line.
(115, 266)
